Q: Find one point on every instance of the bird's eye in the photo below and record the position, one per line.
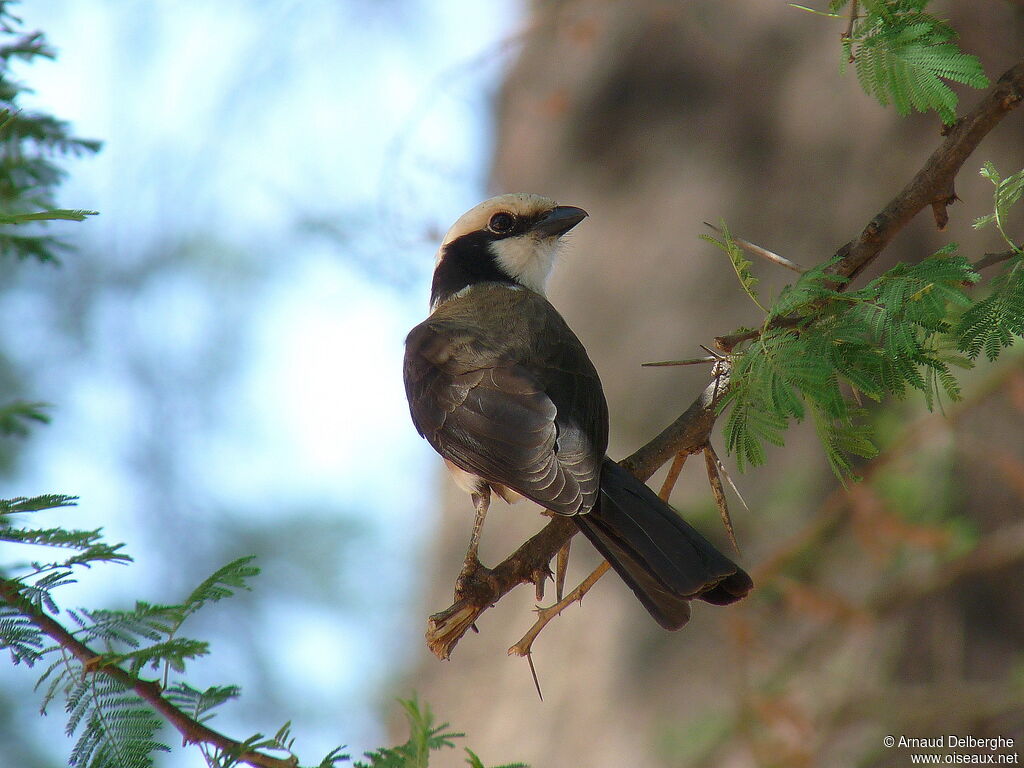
(502, 223)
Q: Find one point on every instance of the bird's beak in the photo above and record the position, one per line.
(559, 220)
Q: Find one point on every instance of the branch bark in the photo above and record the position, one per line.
(932, 186)
(192, 731)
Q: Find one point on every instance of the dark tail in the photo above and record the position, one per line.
(662, 558)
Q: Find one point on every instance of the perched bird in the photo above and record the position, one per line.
(501, 387)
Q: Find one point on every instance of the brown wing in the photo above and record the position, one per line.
(530, 416)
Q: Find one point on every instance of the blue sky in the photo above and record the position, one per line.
(325, 144)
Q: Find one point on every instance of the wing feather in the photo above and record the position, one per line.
(493, 411)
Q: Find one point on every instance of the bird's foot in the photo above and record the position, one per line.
(473, 578)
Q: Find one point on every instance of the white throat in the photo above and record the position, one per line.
(528, 259)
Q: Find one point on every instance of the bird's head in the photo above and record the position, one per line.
(510, 238)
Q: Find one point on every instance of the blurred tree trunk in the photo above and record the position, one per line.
(655, 117)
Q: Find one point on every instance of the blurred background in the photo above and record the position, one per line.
(223, 351)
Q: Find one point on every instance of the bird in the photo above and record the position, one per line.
(500, 386)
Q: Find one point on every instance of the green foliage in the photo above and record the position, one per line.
(906, 330)
(34, 504)
(125, 633)
(475, 762)
(20, 636)
(115, 728)
(222, 583)
(884, 339)
(815, 286)
(88, 546)
(16, 415)
(29, 145)
(117, 721)
(902, 55)
(96, 658)
(740, 263)
(282, 741)
(991, 324)
(199, 705)
(1007, 192)
(424, 738)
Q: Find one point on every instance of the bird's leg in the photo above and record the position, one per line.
(481, 501)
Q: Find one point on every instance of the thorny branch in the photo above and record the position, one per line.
(934, 183)
(192, 731)
(762, 253)
(932, 186)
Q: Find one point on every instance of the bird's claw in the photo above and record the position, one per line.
(472, 577)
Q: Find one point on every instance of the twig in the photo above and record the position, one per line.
(730, 341)
(691, 430)
(544, 615)
(524, 646)
(728, 478)
(764, 253)
(673, 476)
(989, 259)
(192, 731)
(712, 464)
(848, 34)
(691, 361)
